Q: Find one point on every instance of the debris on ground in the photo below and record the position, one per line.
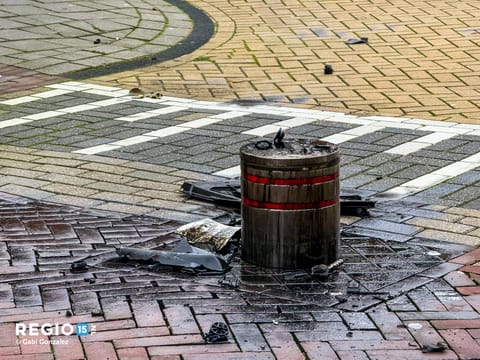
(328, 69)
(228, 193)
(295, 276)
(79, 266)
(137, 92)
(438, 347)
(230, 283)
(323, 270)
(96, 41)
(221, 192)
(182, 256)
(362, 40)
(218, 333)
(209, 231)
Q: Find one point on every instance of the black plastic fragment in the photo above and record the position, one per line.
(438, 347)
(218, 333)
(79, 266)
(278, 140)
(362, 40)
(328, 69)
(183, 256)
(263, 145)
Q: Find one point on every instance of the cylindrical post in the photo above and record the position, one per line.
(290, 204)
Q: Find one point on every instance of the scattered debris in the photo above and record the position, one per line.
(275, 322)
(90, 280)
(222, 192)
(218, 333)
(231, 283)
(97, 313)
(415, 326)
(155, 95)
(328, 69)
(355, 205)
(137, 92)
(349, 334)
(79, 266)
(362, 40)
(433, 253)
(183, 256)
(296, 276)
(263, 145)
(228, 193)
(323, 270)
(438, 347)
(278, 139)
(209, 231)
(96, 41)
(68, 313)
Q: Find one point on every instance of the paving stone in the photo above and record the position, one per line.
(388, 226)
(249, 337)
(284, 346)
(100, 350)
(319, 350)
(449, 237)
(408, 354)
(147, 313)
(181, 320)
(358, 321)
(388, 323)
(461, 342)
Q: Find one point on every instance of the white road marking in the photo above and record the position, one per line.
(63, 111)
(434, 178)
(151, 113)
(171, 130)
(440, 130)
(35, 97)
(420, 143)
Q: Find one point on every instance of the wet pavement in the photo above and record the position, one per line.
(388, 299)
(86, 168)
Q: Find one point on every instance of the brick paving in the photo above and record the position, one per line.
(14, 79)
(118, 163)
(136, 313)
(421, 59)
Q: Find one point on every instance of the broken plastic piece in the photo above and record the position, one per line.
(218, 333)
(183, 255)
(263, 145)
(438, 347)
(232, 283)
(296, 276)
(221, 192)
(79, 266)
(136, 92)
(323, 270)
(278, 140)
(228, 193)
(362, 40)
(209, 231)
(328, 69)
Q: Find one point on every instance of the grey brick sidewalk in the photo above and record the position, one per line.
(61, 37)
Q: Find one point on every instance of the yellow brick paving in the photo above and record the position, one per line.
(422, 59)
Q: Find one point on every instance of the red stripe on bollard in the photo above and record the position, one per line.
(305, 181)
(290, 206)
